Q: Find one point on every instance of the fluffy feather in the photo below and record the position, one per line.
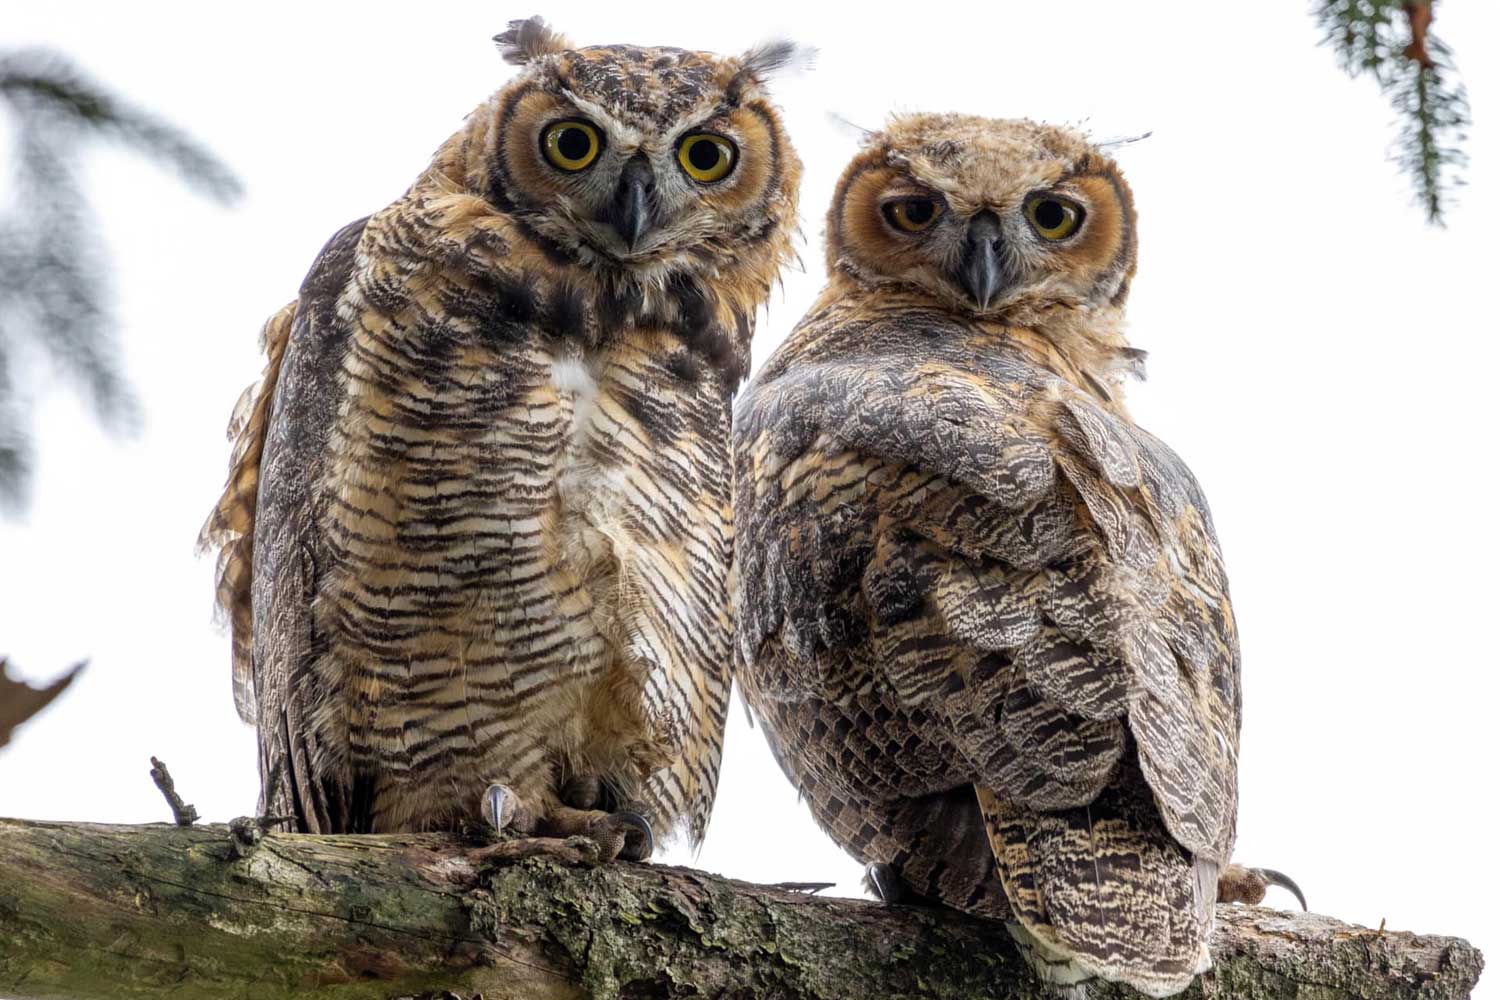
(756, 66)
(527, 41)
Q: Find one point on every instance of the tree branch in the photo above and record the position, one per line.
(92, 911)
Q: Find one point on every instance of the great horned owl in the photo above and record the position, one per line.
(981, 614)
(475, 544)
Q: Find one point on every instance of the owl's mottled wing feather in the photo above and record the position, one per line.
(1023, 566)
(265, 529)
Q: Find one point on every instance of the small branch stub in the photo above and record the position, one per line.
(183, 813)
(1418, 18)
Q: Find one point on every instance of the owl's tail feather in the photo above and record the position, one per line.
(1103, 889)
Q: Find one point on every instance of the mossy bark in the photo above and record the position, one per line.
(92, 911)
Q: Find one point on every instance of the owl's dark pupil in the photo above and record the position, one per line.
(1050, 214)
(704, 154)
(919, 210)
(573, 143)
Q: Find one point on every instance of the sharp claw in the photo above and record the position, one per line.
(499, 806)
(1274, 877)
(883, 880)
(642, 824)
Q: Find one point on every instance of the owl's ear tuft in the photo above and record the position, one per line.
(760, 63)
(764, 60)
(527, 41)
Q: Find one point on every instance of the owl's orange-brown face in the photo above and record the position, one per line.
(646, 158)
(985, 215)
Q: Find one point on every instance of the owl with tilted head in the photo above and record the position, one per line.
(475, 545)
(981, 614)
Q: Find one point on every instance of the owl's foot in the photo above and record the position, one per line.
(1238, 884)
(506, 816)
(625, 834)
(882, 880)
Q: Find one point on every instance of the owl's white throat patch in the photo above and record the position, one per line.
(577, 385)
(572, 375)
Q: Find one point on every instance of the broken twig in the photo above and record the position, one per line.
(182, 812)
(247, 831)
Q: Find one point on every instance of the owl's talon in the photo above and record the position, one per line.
(1238, 884)
(499, 807)
(882, 879)
(624, 834)
(640, 842)
(1276, 878)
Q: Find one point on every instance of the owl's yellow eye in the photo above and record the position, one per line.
(571, 145)
(1053, 218)
(913, 215)
(706, 157)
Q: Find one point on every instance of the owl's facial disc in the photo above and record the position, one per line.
(643, 165)
(984, 216)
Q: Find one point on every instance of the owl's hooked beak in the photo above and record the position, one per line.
(630, 213)
(980, 272)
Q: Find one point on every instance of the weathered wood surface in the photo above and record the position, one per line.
(93, 911)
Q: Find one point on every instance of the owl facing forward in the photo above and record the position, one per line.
(982, 615)
(476, 539)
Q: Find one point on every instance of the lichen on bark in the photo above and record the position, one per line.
(92, 911)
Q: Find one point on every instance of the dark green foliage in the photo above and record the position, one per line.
(1390, 40)
(54, 288)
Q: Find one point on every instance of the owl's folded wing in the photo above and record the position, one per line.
(265, 521)
(1036, 569)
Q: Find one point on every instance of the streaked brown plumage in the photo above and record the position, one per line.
(983, 615)
(477, 526)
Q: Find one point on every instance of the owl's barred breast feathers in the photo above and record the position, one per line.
(478, 526)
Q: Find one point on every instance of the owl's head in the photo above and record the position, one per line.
(986, 216)
(651, 161)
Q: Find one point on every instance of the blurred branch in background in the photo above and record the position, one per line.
(20, 701)
(1392, 41)
(54, 275)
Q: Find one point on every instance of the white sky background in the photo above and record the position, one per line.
(1322, 359)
